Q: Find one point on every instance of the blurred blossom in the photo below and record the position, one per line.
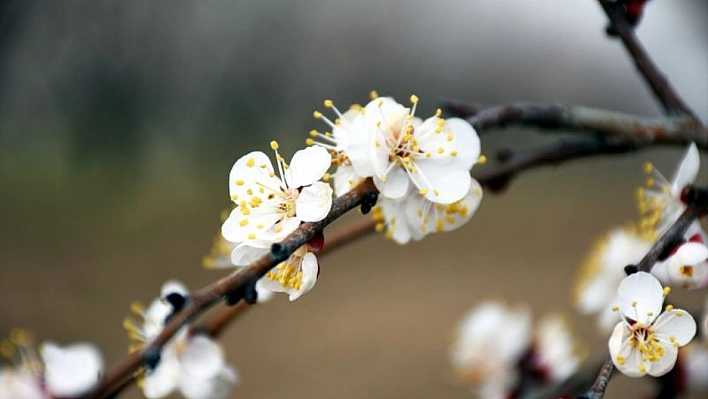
(191, 363)
(603, 271)
(687, 267)
(57, 371)
(646, 341)
(660, 201)
(556, 355)
(490, 341)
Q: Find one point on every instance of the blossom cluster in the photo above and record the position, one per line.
(420, 167)
(497, 354)
(190, 363)
(659, 204)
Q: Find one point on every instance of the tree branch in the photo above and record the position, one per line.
(597, 391)
(660, 86)
(671, 130)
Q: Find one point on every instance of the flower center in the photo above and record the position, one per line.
(644, 340)
(289, 273)
(289, 202)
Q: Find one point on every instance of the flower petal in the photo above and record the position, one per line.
(254, 167)
(21, 384)
(396, 184)
(345, 179)
(666, 362)
(308, 166)
(164, 379)
(676, 326)
(687, 171)
(249, 251)
(240, 226)
(217, 387)
(445, 182)
(310, 268)
(73, 370)
(202, 357)
(314, 202)
(623, 355)
(640, 297)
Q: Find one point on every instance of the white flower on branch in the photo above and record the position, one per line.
(646, 341)
(193, 364)
(414, 216)
(687, 267)
(68, 371)
(269, 208)
(595, 291)
(296, 276)
(489, 342)
(337, 142)
(555, 354)
(387, 142)
(660, 201)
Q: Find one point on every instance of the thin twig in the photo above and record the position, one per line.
(677, 130)
(597, 391)
(660, 86)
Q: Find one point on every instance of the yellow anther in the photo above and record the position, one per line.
(436, 192)
(669, 308)
(379, 227)
(441, 150)
(650, 182)
(274, 145)
(679, 313)
(326, 177)
(634, 304)
(278, 228)
(414, 99)
(317, 114)
(648, 167)
(423, 191)
(234, 197)
(251, 236)
(615, 308)
(642, 369)
(314, 133)
(243, 222)
(328, 103)
(482, 160)
(137, 307)
(309, 141)
(686, 270)
(667, 290)
(373, 95)
(450, 137)
(239, 182)
(621, 359)
(438, 112)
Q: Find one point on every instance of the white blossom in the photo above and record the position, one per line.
(56, 371)
(646, 341)
(337, 142)
(192, 364)
(269, 208)
(414, 216)
(603, 271)
(489, 342)
(660, 201)
(387, 142)
(687, 267)
(555, 353)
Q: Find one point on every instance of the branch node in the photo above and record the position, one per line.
(369, 201)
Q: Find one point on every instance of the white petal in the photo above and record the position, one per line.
(687, 171)
(73, 370)
(173, 287)
(240, 227)
(249, 251)
(640, 297)
(308, 166)
(202, 357)
(161, 381)
(624, 357)
(675, 323)
(217, 387)
(345, 179)
(280, 230)
(665, 363)
(468, 144)
(396, 220)
(314, 202)
(19, 384)
(661, 272)
(264, 294)
(396, 184)
(247, 171)
(450, 180)
(359, 150)
(309, 268)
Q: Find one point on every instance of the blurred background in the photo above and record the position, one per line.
(120, 120)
